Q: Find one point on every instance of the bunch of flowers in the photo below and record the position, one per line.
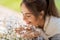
(10, 35)
(27, 32)
(11, 29)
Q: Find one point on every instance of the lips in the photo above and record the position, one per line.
(28, 22)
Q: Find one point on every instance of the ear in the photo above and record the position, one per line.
(41, 14)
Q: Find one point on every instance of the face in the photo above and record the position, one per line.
(29, 18)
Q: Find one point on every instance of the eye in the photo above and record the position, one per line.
(28, 16)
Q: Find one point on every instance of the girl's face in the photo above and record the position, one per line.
(29, 17)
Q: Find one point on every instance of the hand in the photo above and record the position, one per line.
(31, 35)
(18, 30)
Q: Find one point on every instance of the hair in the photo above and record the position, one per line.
(36, 6)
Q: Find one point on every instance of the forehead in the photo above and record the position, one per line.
(24, 9)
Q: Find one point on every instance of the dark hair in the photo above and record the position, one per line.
(36, 6)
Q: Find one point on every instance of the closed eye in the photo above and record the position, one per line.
(28, 16)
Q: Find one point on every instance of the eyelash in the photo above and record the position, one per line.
(28, 16)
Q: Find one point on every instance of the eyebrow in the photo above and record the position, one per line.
(26, 13)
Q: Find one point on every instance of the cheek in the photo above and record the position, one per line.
(27, 20)
(33, 21)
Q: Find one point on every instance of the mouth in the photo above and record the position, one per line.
(28, 22)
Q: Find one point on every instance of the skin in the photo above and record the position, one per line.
(30, 19)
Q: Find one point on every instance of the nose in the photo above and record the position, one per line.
(24, 18)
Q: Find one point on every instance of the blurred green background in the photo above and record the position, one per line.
(15, 4)
(12, 4)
